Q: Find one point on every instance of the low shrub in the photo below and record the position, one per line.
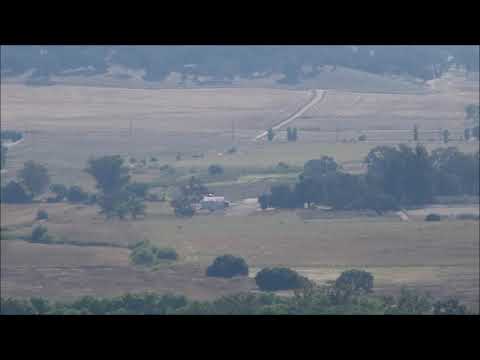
(145, 253)
(60, 191)
(433, 217)
(40, 235)
(76, 194)
(355, 281)
(165, 253)
(273, 279)
(282, 166)
(139, 189)
(42, 215)
(227, 266)
(184, 211)
(449, 307)
(215, 170)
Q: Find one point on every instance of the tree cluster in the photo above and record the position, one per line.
(116, 196)
(350, 294)
(395, 176)
(222, 62)
(145, 253)
(187, 195)
(33, 181)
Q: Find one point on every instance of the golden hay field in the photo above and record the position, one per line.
(442, 257)
(65, 125)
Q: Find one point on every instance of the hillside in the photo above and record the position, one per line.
(226, 65)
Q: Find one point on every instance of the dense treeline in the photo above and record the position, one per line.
(116, 197)
(396, 176)
(338, 298)
(226, 62)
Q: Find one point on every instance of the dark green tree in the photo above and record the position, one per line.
(140, 190)
(412, 303)
(59, 190)
(274, 279)
(40, 235)
(475, 132)
(264, 201)
(446, 135)
(3, 156)
(76, 194)
(294, 134)
(42, 214)
(112, 179)
(403, 172)
(355, 281)
(109, 173)
(270, 134)
(472, 113)
(228, 266)
(15, 193)
(35, 177)
(186, 195)
(449, 307)
(215, 170)
(289, 134)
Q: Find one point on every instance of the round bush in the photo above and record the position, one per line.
(76, 194)
(228, 266)
(280, 279)
(355, 281)
(42, 214)
(215, 170)
(433, 217)
(40, 235)
(184, 211)
(143, 255)
(165, 253)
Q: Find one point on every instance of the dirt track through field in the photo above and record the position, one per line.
(318, 95)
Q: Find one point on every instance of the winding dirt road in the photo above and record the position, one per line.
(317, 96)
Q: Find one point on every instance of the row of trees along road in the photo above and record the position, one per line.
(116, 197)
(396, 176)
(292, 134)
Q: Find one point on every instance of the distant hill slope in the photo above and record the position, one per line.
(203, 65)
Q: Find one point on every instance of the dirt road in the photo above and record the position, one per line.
(317, 96)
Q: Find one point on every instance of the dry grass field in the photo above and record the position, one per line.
(65, 125)
(440, 256)
(67, 272)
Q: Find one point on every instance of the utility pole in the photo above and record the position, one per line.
(233, 132)
(336, 134)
